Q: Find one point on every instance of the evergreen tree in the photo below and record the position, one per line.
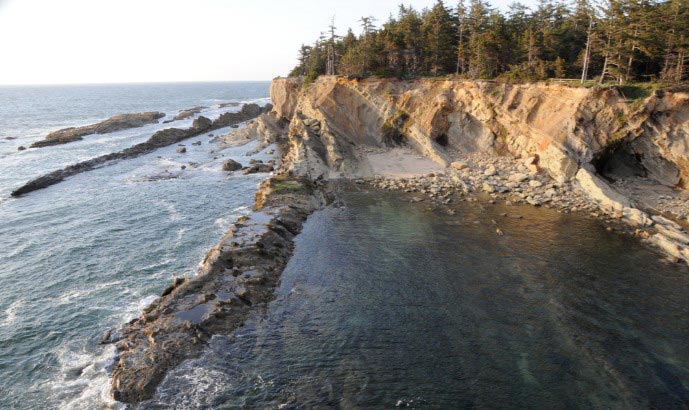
(613, 40)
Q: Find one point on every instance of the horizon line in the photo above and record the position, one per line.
(131, 83)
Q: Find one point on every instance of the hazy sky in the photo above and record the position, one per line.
(96, 41)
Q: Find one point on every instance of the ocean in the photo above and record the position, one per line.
(386, 303)
(89, 253)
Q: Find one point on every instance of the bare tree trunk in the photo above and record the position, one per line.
(460, 48)
(680, 67)
(631, 55)
(605, 63)
(587, 53)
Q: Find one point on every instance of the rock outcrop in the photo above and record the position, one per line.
(231, 165)
(589, 136)
(160, 139)
(563, 127)
(239, 273)
(184, 114)
(112, 124)
(322, 131)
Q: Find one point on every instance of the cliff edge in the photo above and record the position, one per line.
(629, 156)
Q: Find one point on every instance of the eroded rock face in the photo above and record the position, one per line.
(565, 127)
(284, 93)
(116, 123)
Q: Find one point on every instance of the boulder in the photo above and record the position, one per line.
(184, 114)
(600, 192)
(201, 124)
(21, 148)
(257, 168)
(518, 177)
(458, 165)
(181, 150)
(231, 165)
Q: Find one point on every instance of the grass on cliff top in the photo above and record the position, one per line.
(280, 184)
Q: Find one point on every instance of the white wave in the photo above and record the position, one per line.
(174, 214)
(201, 384)
(83, 381)
(11, 312)
(79, 293)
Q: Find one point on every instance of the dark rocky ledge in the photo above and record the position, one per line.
(238, 274)
(112, 124)
(160, 139)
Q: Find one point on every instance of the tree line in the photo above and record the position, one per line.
(620, 41)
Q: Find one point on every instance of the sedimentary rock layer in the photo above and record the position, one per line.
(112, 124)
(160, 139)
(588, 136)
(566, 127)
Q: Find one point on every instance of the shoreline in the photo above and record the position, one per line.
(160, 139)
(489, 179)
(237, 274)
(243, 270)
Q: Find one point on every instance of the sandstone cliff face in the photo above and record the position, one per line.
(565, 127)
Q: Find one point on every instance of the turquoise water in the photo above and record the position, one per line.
(87, 254)
(387, 304)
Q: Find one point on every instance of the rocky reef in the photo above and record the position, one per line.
(112, 124)
(160, 139)
(184, 114)
(237, 274)
(546, 145)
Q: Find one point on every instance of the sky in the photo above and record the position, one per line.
(120, 41)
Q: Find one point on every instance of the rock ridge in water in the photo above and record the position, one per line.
(112, 124)
(330, 126)
(239, 273)
(160, 139)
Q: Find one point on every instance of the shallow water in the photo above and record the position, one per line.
(89, 253)
(387, 303)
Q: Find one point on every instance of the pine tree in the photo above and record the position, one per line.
(438, 31)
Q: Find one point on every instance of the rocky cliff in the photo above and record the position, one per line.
(566, 127)
(598, 139)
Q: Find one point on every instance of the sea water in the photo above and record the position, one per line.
(89, 253)
(389, 304)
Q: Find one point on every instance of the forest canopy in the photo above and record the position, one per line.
(619, 41)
